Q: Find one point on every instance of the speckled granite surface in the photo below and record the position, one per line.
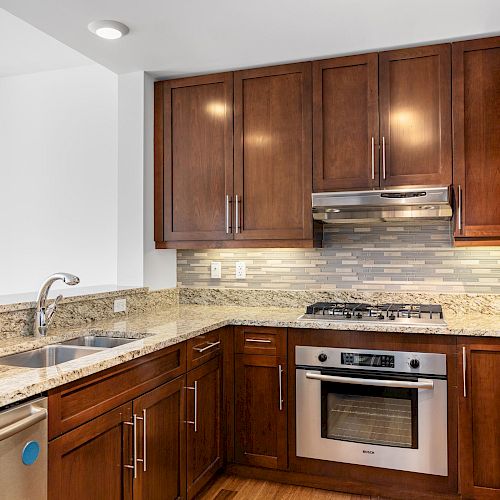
(460, 303)
(161, 328)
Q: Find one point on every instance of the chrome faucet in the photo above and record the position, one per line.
(44, 314)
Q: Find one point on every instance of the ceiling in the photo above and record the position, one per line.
(171, 38)
(28, 50)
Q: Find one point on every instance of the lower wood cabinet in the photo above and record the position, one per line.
(160, 445)
(261, 411)
(89, 462)
(479, 412)
(204, 429)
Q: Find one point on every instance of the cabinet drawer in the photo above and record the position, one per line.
(260, 340)
(78, 402)
(203, 348)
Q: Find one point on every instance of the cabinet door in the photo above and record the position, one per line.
(415, 116)
(204, 429)
(345, 114)
(272, 153)
(91, 462)
(479, 410)
(193, 158)
(476, 133)
(261, 414)
(161, 443)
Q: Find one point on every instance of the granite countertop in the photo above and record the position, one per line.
(159, 329)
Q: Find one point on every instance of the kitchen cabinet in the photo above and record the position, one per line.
(92, 462)
(261, 437)
(476, 128)
(161, 445)
(346, 128)
(408, 94)
(193, 158)
(201, 199)
(204, 429)
(272, 153)
(479, 408)
(415, 116)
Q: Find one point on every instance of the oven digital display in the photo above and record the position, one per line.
(356, 359)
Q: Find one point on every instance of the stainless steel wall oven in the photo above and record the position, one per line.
(378, 408)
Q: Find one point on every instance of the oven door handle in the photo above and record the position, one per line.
(403, 384)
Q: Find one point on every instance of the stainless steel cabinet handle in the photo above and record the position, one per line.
(373, 158)
(144, 439)
(134, 445)
(423, 384)
(9, 430)
(464, 369)
(383, 157)
(195, 421)
(237, 213)
(459, 215)
(280, 375)
(209, 346)
(228, 227)
(259, 341)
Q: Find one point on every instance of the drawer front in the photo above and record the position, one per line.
(260, 340)
(203, 348)
(78, 402)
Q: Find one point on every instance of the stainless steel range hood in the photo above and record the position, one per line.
(395, 204)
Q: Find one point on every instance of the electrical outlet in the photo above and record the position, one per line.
(120, 305)
(241, 270)
(216, 270)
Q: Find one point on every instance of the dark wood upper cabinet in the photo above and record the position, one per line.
(273, 153)
(163, 445)
(415, 116)
(193, 157)
(479, 408)
(345, 116)
(476, 138)
(204, 442)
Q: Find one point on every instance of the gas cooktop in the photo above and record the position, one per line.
(407, 314)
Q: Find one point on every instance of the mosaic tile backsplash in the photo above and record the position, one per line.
(416, 256)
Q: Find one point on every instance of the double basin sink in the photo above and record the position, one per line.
(65, 351)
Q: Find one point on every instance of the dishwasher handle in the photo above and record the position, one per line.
(403, 384)
(38, 415)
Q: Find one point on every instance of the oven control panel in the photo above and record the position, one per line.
(365, 359)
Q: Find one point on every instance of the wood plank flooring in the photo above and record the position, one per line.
(228, 487)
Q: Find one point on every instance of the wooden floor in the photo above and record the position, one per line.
(236, 488)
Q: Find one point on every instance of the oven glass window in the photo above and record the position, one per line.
(368, 414)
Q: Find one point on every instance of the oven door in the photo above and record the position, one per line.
(375, 419)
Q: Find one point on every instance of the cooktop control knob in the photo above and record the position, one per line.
(322, 357)
(414, 363)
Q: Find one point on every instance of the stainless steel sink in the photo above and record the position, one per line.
(47, 356)
(92, 341)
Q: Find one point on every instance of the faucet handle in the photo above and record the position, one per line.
(51, 309)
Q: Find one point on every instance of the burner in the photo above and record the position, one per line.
(409, 314)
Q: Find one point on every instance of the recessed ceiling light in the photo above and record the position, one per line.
(110, 30)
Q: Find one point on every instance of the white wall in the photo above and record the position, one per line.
(139, 264)
(58, 188)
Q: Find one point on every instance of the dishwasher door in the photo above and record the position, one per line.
(23, 451)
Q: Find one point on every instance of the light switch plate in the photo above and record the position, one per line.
(241, 270)
(120, 305)
(216, 270)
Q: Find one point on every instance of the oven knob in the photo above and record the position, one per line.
(322, 357)
(414, 363)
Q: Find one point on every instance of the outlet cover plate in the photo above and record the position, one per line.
(216, 270)
(241, 270)
(120, 305)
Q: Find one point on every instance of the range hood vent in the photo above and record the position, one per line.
(383, 205)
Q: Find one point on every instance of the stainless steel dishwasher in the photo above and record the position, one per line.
(23, 451)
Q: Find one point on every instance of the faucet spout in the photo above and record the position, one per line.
(44, 314)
